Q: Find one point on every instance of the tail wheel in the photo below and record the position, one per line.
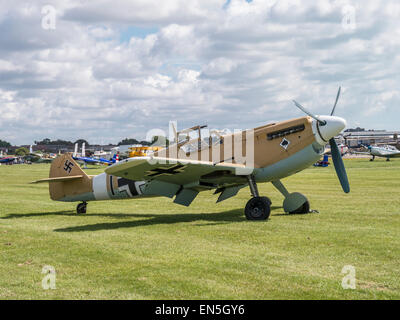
(258, 208)
(305, 208)
(81, 208)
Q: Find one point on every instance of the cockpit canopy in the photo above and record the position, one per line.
(198, 138)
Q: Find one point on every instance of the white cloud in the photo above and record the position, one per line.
(232, 64)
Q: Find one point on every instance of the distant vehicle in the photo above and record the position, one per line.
(387, 152)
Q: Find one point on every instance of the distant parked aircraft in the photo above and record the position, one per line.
(37, 157)
(83, 160)
(383, 152)
(7, 160)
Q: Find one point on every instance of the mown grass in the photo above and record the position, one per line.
(154, 249)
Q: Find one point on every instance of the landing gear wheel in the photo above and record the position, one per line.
(305, 208)
(258, 208)
(268, 200)
(81, 208)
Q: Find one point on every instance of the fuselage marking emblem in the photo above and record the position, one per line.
(285, 143)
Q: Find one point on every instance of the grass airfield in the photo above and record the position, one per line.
(154, 249)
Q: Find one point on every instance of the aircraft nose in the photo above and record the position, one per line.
(334, 125)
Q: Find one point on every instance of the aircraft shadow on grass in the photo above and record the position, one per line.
(204, 219)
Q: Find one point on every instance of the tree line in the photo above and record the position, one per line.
(47, 141)
(4, 144)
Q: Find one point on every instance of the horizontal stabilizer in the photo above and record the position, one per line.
(59, 179)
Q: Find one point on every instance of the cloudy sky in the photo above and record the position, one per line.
(106, 70)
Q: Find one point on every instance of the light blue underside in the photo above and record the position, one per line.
(291, 165)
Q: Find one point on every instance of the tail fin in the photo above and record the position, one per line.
(115, 158)
(72, 180)
(75, 150)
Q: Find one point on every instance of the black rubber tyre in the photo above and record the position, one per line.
(81, 208)
(258, 208)
(305, 208)
(268, 199)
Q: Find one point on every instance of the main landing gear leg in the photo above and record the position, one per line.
(388, 159)
(257, 208)
(373, 158)
(81, 208)
(294, 202)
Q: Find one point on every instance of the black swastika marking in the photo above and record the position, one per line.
(68, 166)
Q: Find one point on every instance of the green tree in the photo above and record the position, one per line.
(127, 141)
(44, 141)
(21, 151)
(81, 141)
(159, 141)
(47, 141)
(4, 144)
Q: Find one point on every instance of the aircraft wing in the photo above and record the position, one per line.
(389, 154)
(183, 178)
(394, 155)
(360, 152)
(177, 171)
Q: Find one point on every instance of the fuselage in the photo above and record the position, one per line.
(384, 151)
(278, 150)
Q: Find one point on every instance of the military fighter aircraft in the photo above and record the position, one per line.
(187, 167)
(381, 151)
(37, 157)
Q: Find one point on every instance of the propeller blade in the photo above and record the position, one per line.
(298, 105)
(337, 98)
(339, 166)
